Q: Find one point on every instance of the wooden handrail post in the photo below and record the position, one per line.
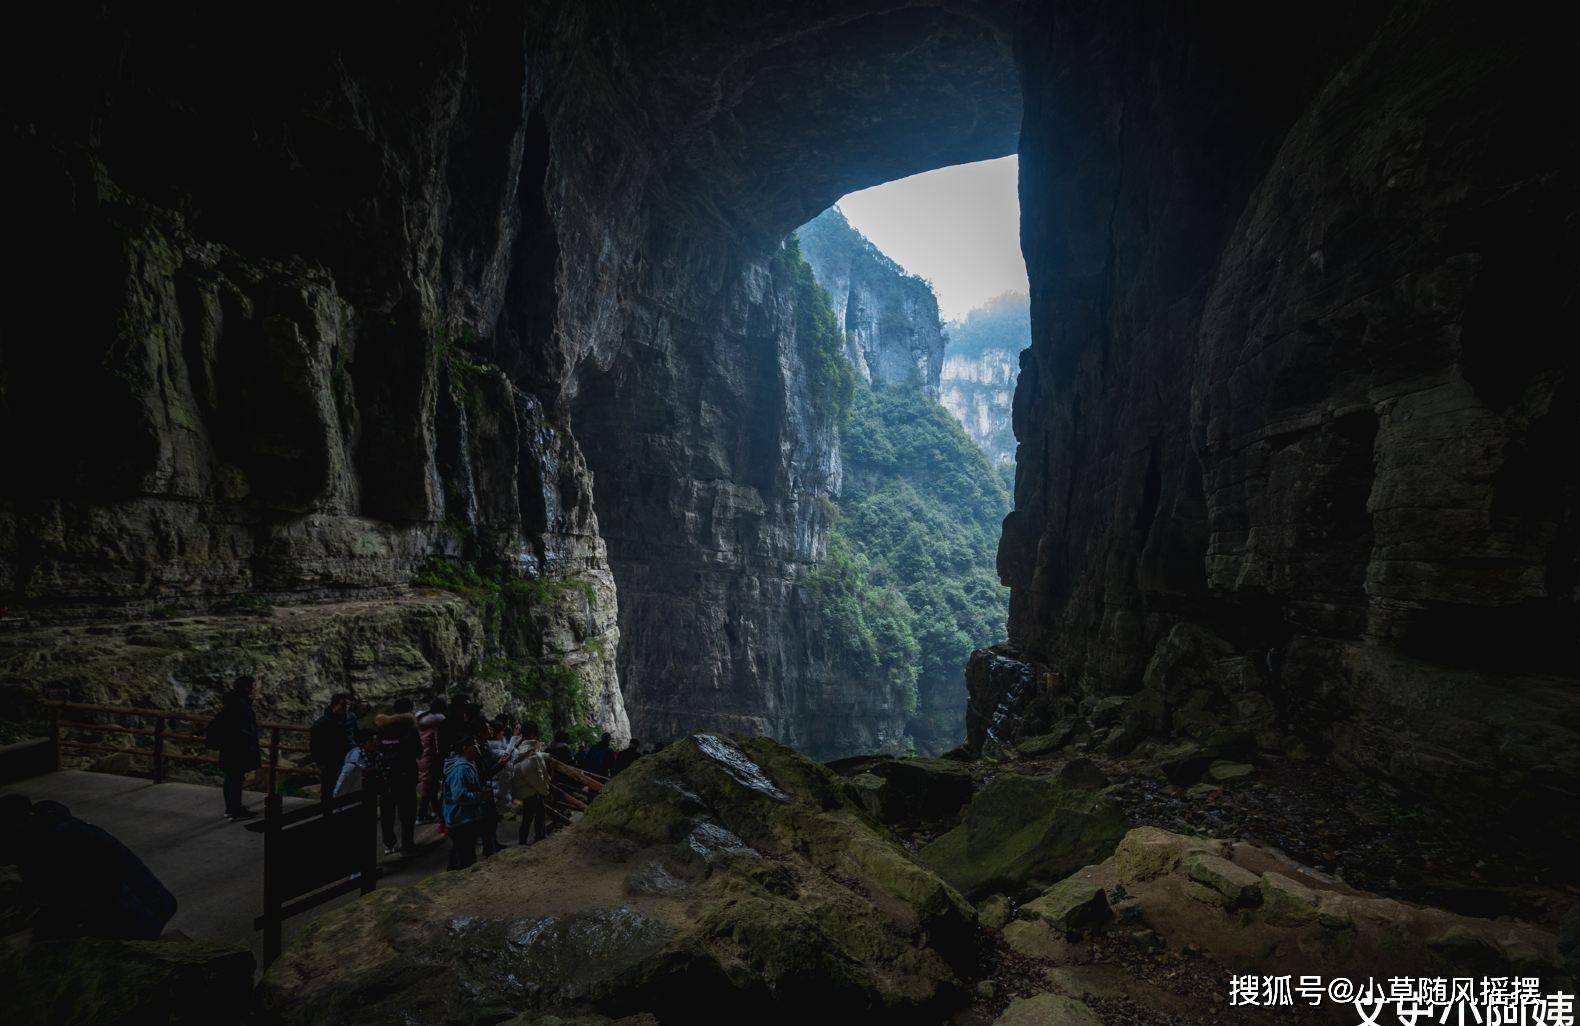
(274, 755)
(159, 749)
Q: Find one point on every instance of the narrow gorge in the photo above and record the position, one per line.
(1212, 607)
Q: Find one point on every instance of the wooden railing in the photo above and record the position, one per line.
(558, 796)
(68, 716)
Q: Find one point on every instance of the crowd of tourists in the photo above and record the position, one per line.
(446, 764)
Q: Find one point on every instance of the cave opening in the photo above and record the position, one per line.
(923, 285)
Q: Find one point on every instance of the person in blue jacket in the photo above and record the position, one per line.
(461, 802)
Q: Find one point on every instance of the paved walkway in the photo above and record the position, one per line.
(214, 867)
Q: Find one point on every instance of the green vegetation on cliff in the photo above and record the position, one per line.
(1003, 322)
(540, 688)
(908, 587)
(830, 379)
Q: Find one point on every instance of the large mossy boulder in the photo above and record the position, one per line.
(909, 791)
(1022, 834)
(98, 982)
(719, 878)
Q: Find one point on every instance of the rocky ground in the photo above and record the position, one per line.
(729, 877)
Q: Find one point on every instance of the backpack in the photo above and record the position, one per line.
(530, 774)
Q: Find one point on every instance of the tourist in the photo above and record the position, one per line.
(632, 751)
(560, 748)
(330, 739)
(600, 757)
(529, 779)
(234, 732)
(430, 764)
(357, 772)
(84, 882)
(399, 747)
(460, 802)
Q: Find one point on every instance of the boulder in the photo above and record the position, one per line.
(1047, 1010)
(1146, 853)
(775, 890)
(1073, 906)
(99, 982)
(1184, 763)
(1022, 834)
(995, 912)
(1224, 772)
(897, 791)
(1286, 902)
(1244, 905)
(1083, 772)
(1226, 883)
(1044, 744)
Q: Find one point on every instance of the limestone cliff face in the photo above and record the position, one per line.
(714, 482)
(1291, 451)
(981, 367)
(890, 318)
(979, 390)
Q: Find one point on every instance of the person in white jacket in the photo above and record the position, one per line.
(529, 781)
(359, 763)
(500, 751)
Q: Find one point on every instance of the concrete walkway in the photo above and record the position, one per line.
(214, 867)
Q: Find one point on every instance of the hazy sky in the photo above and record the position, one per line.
(959, 227)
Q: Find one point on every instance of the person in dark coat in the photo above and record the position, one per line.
(560, 748)
(330, 738)
(600, 757)
(235, 733)
(84, 881)
(398, 751)
(626, 757)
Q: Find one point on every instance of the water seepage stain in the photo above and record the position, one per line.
(741, 769)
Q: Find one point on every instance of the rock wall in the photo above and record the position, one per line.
(284, 344)
(978, 389)
(890, 318)
(1290, 424)
(712, 472)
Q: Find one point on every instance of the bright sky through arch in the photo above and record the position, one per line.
(958, 227)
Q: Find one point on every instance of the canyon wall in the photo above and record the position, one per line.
(1294, 438)
(890, 318)
(981, 367)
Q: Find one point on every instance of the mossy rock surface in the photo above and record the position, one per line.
(1022, 834)
(779, 894)
(98, 982)
(1072, 906)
